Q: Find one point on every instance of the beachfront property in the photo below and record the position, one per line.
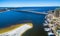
(10, 21)
(53, 19)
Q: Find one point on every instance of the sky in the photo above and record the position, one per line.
(28, 3)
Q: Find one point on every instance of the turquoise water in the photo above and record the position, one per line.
(13, 17)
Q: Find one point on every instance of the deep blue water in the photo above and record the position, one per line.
(13, 17)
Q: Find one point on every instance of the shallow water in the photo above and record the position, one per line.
(12, 17)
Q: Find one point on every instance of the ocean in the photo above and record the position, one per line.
(13, 17)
